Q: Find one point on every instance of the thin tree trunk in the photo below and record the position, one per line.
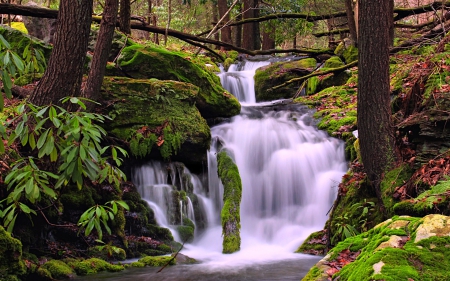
(237, 30)
(102, 50)
(351, 21)
(268, 42)
(65, 67)
(125, 16)
(248, 29)
(225, 32)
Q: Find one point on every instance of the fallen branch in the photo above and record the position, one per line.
(299, 79)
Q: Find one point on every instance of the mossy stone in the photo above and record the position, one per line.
(278, 73)
(158, 261)
(11, 262)
(59, 269)
(150, 62)
(157, 118)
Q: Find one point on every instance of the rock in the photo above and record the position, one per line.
(278, 73)
(397, 257)
(147, 62)
(11, 262)
(41, 28)
(157, 118)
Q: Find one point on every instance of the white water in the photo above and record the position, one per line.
(289, 171)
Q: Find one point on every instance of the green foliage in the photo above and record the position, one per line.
(344, 229)
(158, 261)
(107, 251)
(98, 215)
(70, 140)
(94, 265)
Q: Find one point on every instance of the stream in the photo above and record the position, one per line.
(290, 172)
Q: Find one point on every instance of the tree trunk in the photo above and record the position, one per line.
(375, 130)
(65, 67)
(268, 42)
(351, 21)
(215, 15)
(125, 16)
(237, 30)
(225, 32)
(102, 50)
(249, 29)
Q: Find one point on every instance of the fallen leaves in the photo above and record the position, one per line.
(345, 257)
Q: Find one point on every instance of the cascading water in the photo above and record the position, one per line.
(289, 171)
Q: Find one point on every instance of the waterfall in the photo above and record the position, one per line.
(289, 169)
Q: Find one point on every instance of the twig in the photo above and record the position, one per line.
(174, 256)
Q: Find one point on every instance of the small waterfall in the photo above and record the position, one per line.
(289, 169)
(238, 80)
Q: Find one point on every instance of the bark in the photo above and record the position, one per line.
(225, 32)
(237, 29)
(125, 16)
(268, 41)
(102, 50)
(375, 129)
(65, 67)
(249, 29)
(351, 20)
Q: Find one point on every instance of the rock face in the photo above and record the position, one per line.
(157, 118)
(11, 263)
(147, 62)
(41, 28)
(401, 248)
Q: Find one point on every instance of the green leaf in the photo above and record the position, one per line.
(54, 155)
(7, 84)
(42, 111)
(32, 140)
(42, 139)
(2, 147)
(4, 42)
(11, 224)
(25, 208)
(123, 204)
(18, 62)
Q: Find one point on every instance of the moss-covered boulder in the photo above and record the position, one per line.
(150, 62)
(278, 73)
(59, 269)
(401, 248)
(232, 193)
(157, 118)
(11, 262)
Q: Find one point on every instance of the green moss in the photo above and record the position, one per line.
(350, 54)
(230, 215)
(333, 62)
(11, 262)
(58, 269)
(107, 252)
(315, 244)
(311, 85)
(95, 265)
(157, 118)
(428, 202)
(390, 182)
(313, 274)
(278, 73)
(158, 261)
(77, 199)
(138, 264)
(150, 62)
(186, 231)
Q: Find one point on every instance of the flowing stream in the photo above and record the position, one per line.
(289, 171)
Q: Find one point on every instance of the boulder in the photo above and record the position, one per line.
(41, 28)
(142, 62)
(278, 73)
(156, 118)
(11, 262)
(401, 248)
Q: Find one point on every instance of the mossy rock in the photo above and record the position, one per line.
(315, 244)
(150, 62)
(186, 231)
(93, 266)
(401, 248)
(11, 261)
(158, 261)
(278, 73)
(232, 193)
(107, 252)
(19, 41)
(59, 269)
(157, 118)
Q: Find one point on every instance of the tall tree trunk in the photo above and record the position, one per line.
(125, 16)
(225, 32)
(102, 50)
(375, 130)
(215, 15)
(237, 30)
(351, 21)
(65, 67)
(249, 29)
(268, 41)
